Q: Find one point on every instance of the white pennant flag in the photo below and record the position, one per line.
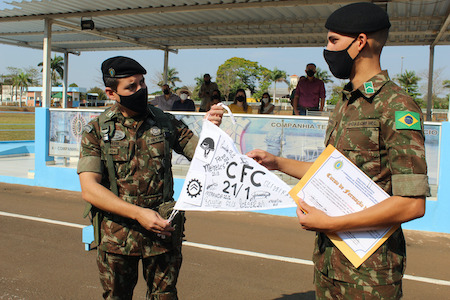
(221, 178)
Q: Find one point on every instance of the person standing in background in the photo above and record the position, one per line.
(309, 93)
(206, 91)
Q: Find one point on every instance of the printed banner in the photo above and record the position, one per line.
(66, 128)
(291, 137)
(221, 178)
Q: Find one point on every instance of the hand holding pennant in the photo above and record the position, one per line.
(220, 178)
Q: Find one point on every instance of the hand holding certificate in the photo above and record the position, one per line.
(337, 187)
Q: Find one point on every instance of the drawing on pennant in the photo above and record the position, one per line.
(194, 188)
(207, 145)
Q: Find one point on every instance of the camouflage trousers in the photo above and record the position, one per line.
(119, 275)
(327, 288)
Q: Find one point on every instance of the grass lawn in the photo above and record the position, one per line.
(16, 126)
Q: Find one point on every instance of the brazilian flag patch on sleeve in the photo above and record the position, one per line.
(407, 120)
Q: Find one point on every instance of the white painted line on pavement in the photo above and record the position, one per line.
(2, 213)
(250, 253)
(427, 280)
(227, 250)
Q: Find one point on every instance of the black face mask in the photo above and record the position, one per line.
(166, 92)
(339, 62)
(136, 102)
(240, 98)
(310, 73)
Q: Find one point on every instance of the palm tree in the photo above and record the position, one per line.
(323, 75)
(22, 81)
(172, 78)
(57, 69)
(276, 76)
(409, 82)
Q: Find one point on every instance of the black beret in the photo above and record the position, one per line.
(362, 17)
(120, 67)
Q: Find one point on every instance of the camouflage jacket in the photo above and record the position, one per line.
(137, 149)
(367, 128)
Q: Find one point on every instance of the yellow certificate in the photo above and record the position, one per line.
(336, 186)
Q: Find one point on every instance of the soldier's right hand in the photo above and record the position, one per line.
(264, 158)
(152, 221)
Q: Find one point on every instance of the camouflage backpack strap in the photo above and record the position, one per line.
(107, 129)
(165, 121)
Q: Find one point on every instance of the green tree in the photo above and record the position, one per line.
(238, 72)
(276, 76)
(57, 69)
(336, 93)
(34, 74)
(323, 75)
(101, 93)
(198, 83)
(11, 79)
(172, 78)
(22, 81)
(409, 82)
(446, 84)
(73, 85)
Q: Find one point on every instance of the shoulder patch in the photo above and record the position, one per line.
(88, 128)
(407, 120)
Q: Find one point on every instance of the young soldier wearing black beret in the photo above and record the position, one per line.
(389, 148)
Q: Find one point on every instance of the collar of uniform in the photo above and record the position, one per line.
(378, 81)
(114, 112)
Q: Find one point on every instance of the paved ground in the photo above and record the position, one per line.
(47, 261)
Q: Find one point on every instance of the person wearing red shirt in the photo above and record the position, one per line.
(310, 93)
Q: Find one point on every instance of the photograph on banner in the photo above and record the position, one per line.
(220, 178)
(66, 128)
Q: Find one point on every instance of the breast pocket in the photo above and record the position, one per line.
(120, 154)
(155, 145)
(119, 151)
(362, 146)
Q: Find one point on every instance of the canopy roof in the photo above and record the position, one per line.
(187, 24)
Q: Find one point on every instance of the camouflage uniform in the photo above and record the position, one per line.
(137, 149)
(363, 128)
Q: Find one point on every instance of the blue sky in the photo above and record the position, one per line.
(85, 69)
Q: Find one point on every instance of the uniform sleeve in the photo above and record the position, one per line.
(186, 140)
(405, 151)
(90, 152)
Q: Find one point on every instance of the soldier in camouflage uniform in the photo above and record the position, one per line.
(133, 222)
(380, 129)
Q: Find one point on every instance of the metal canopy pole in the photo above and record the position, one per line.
(166, 65)
(46, 77)
(65, 86)
(430, 84)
